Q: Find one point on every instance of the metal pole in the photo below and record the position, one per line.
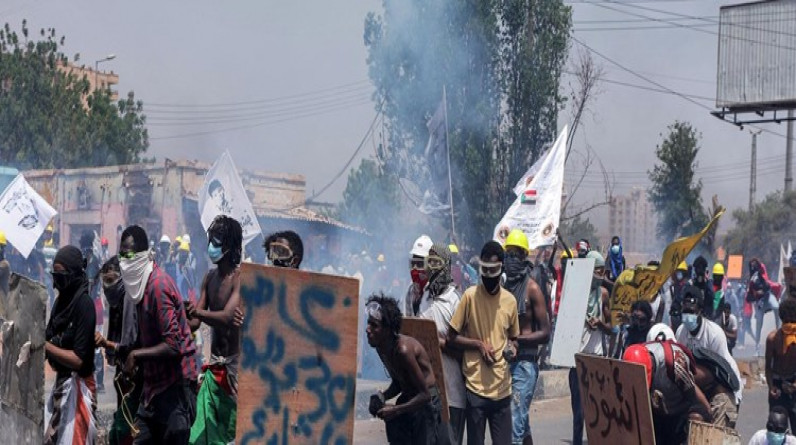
(789, 154)
(450, 181)
(753, 173)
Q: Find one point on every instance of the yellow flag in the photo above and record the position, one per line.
(643, 282)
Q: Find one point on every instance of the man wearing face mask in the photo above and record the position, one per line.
(616, 261)
(594, 328)
(679, 282)
(485, 325)
(534, 332)
(439, 304)
(122, 337)
(776, 431)
(219, 307)
(700, 332)
(168, 399)
(284, 249)
(700, 280)
(69, 348)
(415, 292)
(583, 247)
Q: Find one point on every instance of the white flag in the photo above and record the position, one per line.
(529, 175)
(537, 210)
(25, 215)
(223, 194)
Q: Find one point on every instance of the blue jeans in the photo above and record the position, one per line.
(524, 374)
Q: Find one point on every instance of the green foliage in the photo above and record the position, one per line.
(485, 53)
(675, 192)
(368, 195)
(759, 232)
(43, 120)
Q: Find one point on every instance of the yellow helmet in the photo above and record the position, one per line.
(682, 266)
(185, 247)
(517, 238)
(453, 248)
(178, 239)
(567, 254)
(718, 269)
(49, 228)
(3, 241)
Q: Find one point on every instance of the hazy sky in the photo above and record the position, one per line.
(294, 73)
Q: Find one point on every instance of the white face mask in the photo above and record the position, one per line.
(135, 274)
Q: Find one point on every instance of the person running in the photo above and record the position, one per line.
(534, 332)
(762, 294)
(729, 324)
(69, 348)
(484, 326)
(416, 416)
(219, 307)
(781, 362)
(168, 400)
(439, 305)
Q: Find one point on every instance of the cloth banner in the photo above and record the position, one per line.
(537, 210)
(643, 282)
(25, 215)
(436, 154)
(223, 194)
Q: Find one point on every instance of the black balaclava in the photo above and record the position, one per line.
(490, 249)
(72, 259)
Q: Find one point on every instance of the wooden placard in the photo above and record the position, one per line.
(297, 379)
(572, 311)
(425, 331)
(700, 433)
(615, 401)
(734, 267)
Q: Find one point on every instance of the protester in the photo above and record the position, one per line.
(781, 362)
(729, 324)
(219, 307)
(439, 305)
(69, 348)
(417, 271)
(186, 271)
(416, 416)
(718, 299)
(697, 331)
(168, 400)
(715, 377)
(776, 431)
(616, 261)
(534, 332)
(284, 249)
(674, 394)
(596, 325)
(640, 323)
(658, 301)
(679, 282)
(486, 326)
(94, 286)
(583, 247)
(761, 293)
(163, 251)
(122, 337)
(700, 281)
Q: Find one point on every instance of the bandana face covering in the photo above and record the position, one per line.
(490, 276)
(135, 274)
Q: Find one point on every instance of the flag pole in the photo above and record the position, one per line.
(450, 181)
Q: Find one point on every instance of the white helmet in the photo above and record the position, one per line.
(421, 246)
(186, 238)
(660, 332)
(165, 239)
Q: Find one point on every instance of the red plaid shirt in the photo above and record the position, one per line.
(161, 318)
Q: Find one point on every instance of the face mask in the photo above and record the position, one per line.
(61, 280)
(135, 274)
(690, 321)
(717, 281)
(678, 275)
(419, 277)
(491, 284)
(215, 253)
(775, 438)
(596, 281)
(114, 293)
(615, 249)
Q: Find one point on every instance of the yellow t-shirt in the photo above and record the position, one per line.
(490, 318)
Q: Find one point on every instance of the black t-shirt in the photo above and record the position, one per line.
(77, 335)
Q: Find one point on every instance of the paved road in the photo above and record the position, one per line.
(551, 420)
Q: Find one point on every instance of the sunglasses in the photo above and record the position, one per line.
(490, 270)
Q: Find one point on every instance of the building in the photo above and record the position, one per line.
(96, 79)
(632, 218)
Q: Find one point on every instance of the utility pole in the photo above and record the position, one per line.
(753, 173)
(789, 154)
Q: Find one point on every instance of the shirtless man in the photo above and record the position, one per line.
(416, 417)
(781, 362)
(219, 307)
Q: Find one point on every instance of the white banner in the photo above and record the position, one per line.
(223, 194)
(537, 210)
(572, 312)
(25, 215)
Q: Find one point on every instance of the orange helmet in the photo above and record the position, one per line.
(639, 354)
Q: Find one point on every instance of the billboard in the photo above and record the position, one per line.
(757, 56)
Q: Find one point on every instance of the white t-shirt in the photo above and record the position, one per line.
(441, 309)
(710, 336)
(760, 439)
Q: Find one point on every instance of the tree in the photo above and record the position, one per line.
(368, 197)
(675, 192)
(44, 121)
(759, 232)
(579, 228)
(485, 53)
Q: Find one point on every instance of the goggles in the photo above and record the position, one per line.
(373, 310)
(127, 255)
(279, 251)
(417, 264)
(433, 262)
(490, 270)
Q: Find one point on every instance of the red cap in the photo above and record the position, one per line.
(639, 354)
(104, 241)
